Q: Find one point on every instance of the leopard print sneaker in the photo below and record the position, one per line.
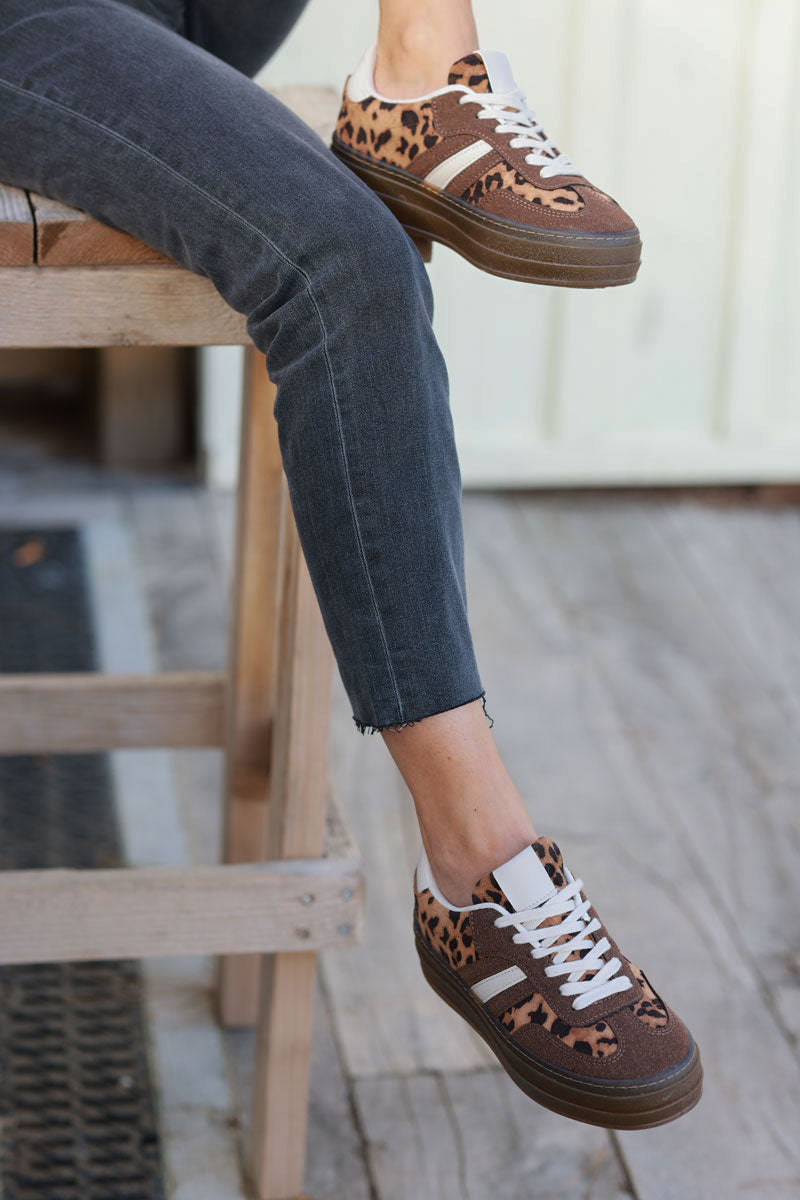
(469, 166)
(577, 1026)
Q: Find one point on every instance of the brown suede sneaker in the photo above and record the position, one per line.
(469, 166)
(577, 1027)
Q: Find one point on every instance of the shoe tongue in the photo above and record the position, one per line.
(529, 879)
(483, 71)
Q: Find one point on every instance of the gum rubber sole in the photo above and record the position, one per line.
(501, 247)
(614, 1105)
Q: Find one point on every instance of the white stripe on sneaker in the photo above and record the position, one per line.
(493, 985)
(441, 175)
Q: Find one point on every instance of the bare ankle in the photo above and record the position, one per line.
(457, 865)
(471, 815)
(415, 55)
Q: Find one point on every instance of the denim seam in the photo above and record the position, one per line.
(352, 501)
(263, 237)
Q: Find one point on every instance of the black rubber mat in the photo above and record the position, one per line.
(77, 1112)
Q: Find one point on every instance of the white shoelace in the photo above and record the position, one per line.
(606, 981)
(525, 128)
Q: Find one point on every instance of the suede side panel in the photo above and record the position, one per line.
(640, 1052)
(599, 215)
(497, 943)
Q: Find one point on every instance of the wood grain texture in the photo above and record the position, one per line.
(134, 912)
(456, 1136)
(86, 712)
(114, 306)
(16, 228)
(298, 786)
(251, 661)
(67, 237)
(335, 1161)
(626, 728)
(642, 666)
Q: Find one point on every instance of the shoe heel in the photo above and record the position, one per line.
(423, 244)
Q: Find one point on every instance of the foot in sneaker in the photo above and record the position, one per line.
(577, 1027)
(468, 165)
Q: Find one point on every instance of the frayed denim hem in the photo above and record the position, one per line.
(363, 727)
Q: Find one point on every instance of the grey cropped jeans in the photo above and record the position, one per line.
(143, 114)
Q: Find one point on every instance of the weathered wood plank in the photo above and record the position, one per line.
(453, 1136)
(335, 1161)
(87, 712)
(134, 912)
(16, 228)
(506, 1143)
(706, 689)
(745, 566)
(68, 237)
(251, 661)
(114, 306)
(298, 788)
(601, 731)
(554, 638)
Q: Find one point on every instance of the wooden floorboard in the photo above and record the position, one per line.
(643, 737)
(188, 596)
(642, 664)
(457, 1136)
(675, 812)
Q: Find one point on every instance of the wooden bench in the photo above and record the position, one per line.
(291, 880)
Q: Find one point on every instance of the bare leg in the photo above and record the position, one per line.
(471, 816)
(418, 41)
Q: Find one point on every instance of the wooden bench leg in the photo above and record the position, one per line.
(276, 1154)
(254, 614)
(142, 407)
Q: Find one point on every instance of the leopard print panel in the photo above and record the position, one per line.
(598, 1040)
(565, 200)
(470, 71)
(651, 1010)
(548, 853)
(389, 133)
(487, 891)
(447, 932)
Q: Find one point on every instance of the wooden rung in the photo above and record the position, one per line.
(136, 912)
(86, 712)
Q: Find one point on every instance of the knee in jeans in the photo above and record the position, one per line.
(376, 261)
